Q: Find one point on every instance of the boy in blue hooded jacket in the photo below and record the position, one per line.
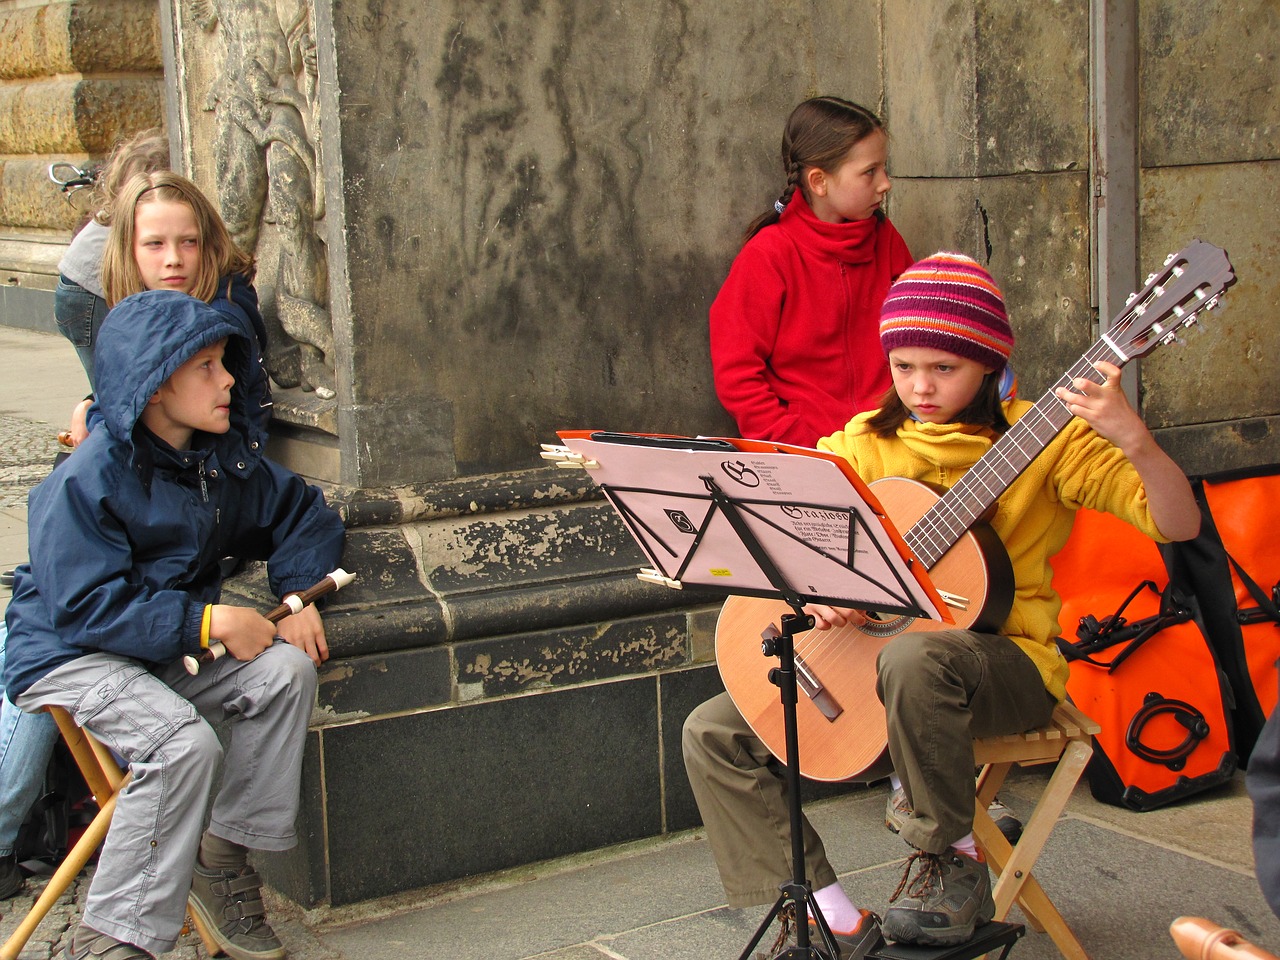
(124, 580)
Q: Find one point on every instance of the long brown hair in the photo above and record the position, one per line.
(820, 133)
(218, 255)
(985, 410)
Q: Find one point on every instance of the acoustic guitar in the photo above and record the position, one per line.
(841, 723)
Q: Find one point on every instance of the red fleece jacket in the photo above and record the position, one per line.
(795, 344)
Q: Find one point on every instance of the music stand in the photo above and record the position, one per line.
(762, 520)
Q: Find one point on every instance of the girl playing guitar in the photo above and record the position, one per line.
(946, 334)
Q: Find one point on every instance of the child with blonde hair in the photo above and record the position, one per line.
(166, 235)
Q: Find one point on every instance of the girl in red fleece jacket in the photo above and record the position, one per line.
(794, 345)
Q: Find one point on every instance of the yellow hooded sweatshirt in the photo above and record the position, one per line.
(1077, 469)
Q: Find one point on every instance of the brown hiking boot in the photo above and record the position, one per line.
(949, 896)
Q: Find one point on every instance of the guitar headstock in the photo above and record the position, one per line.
(1190, 282)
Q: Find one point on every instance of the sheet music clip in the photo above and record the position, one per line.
(649, 575)
(564, 457)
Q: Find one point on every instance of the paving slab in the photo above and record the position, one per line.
(1119, 888)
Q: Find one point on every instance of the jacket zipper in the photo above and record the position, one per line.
(204, 495)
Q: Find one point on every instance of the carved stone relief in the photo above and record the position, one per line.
(266, 146)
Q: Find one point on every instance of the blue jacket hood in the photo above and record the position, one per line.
(148, 336)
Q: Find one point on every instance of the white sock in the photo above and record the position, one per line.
(837, 909)
(895, 781)
(967, 846)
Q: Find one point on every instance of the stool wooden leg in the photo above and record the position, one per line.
(1014, 864)
(66, 873)
(105, 779)
(990, 780)
(97, 766)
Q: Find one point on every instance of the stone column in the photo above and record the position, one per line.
(526, 213)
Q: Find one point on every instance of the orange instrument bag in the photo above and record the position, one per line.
(1142, 664)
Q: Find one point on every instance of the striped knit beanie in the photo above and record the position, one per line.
(948, 302)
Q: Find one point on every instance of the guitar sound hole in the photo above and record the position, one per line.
(885, 625)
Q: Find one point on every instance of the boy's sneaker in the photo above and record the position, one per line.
(855, 945)
(10, 876)
(89, 944)
(226, 906)
(897, 810)
(949, 896)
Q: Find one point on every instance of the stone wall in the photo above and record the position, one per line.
(1210, 149)
(989, 108)
(74, 77)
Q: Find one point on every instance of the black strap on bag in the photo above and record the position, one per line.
(1268, 607)
(1096, 635)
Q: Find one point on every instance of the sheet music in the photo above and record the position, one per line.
(817, 522)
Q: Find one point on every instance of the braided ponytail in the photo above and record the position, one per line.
(820, 133)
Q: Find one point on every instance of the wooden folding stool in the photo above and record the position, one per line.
(105, 778)
(1067, 740)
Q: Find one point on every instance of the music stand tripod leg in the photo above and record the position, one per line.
(796, 891)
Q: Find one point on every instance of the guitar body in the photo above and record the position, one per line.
(974, 576)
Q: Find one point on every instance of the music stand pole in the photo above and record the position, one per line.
(781, 643)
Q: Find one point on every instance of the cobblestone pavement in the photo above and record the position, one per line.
(27, 450)
(48, 940)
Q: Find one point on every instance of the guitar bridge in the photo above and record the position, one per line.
(812, 688)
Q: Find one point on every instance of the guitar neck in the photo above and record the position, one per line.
(1190, 282)
(974, 494)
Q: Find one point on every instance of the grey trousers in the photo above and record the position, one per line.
(940, 690)
(159, 722)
